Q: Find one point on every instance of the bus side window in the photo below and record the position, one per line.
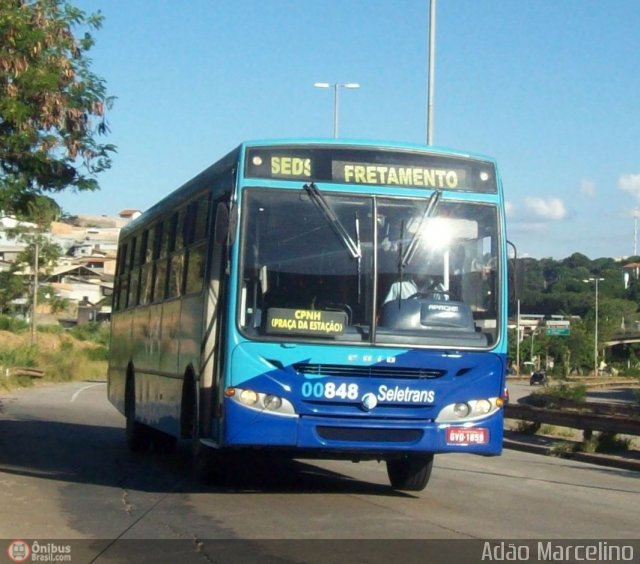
(177, 259)
(134, 274)
(146, 271)
(161, 262)
(202, 218)
(176, 270)
(134, 286)
(120, 292)
(197, 217)
(123, 291)
(195, 269)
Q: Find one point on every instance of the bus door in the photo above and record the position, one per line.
(214, 306)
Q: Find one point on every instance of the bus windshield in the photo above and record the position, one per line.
(362, 268)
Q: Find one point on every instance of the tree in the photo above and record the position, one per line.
(11, 288)
(39, 255)
(52, 107)
(577, 260)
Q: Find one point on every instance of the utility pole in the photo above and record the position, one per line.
(518, 341)
(595, 332)
(34, 301)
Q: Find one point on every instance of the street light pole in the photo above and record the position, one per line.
(518, 341)
(431, 72)
(595, 331)
(635, 232)
(336, 86)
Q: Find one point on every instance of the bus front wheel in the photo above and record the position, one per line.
(206, 462)
(410, 472)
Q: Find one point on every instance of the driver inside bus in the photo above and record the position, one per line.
(419, 283)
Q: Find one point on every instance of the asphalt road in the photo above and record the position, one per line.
(65, 473)
(520, 388)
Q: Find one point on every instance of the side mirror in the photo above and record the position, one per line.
(515, 275)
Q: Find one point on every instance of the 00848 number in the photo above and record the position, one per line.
(330, 390)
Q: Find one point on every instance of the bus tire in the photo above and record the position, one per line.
(138, 435)
(204, 460)
(205, 465)
(411, 472)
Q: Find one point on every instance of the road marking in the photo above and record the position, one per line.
(75, 395)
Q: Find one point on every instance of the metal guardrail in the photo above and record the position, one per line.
(22, 371)
(586, 418)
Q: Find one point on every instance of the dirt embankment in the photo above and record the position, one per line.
(50, 357)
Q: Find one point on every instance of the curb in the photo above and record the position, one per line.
(545, 446)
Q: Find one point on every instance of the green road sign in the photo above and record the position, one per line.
(558, 331)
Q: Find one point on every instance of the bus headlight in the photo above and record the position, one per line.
(461, 410)
(469, 411)
(272, 403)
(483, 406)
(261, 402)
(248, 397)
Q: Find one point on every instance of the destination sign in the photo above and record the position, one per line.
(393, 175)
(366, 166)
(290, 166)
(308, 322)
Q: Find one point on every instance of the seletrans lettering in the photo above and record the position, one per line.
(399, 394)
(351, 391)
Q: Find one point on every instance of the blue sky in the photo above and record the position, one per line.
(549, 88)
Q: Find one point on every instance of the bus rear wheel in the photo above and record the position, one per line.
(410, 472)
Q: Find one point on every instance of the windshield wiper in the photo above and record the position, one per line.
(407, 255)
(321, 203)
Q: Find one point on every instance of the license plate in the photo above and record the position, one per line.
(467, 436)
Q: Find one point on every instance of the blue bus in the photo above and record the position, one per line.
(326, 299)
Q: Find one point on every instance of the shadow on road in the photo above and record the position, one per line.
(96, 454)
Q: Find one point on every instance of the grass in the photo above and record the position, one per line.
(528, 427)
(532, 428)
(61, 355)
(24, 355)
(557, 431)
(8, 323)
(602, 443)
(606, 443)
(93, 332)
(574, 392)
(561, 449)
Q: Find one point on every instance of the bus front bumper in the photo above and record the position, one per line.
(251, 428)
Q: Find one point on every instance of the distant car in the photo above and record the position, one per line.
(538, 379)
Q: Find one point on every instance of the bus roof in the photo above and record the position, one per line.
(185, 192)
(368, 143)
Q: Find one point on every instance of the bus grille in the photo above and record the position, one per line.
(354, 434)
(344, 371)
